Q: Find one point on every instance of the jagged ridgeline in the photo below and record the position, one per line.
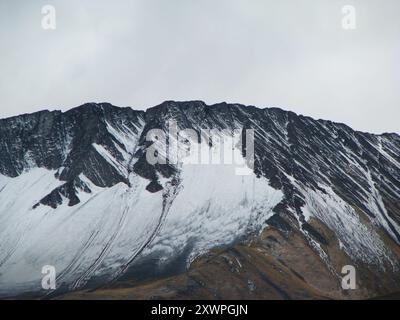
(77, 192)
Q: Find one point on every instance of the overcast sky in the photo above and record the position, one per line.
(293, 54)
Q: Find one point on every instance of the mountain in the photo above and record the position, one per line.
(77, 192)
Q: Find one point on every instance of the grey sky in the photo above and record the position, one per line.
(288, 53)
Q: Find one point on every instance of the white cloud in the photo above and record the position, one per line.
(293, 54)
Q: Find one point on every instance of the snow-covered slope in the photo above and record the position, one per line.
(76, 192)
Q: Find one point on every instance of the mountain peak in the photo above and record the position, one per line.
(316, 186)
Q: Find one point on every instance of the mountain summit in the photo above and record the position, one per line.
(78, 193)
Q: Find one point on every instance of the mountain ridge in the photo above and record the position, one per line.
(202, 102)
(315, 182)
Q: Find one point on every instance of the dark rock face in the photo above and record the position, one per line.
(64, 142)
(286, 144)
(313, 152)
(38, 138)
(325, 170)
